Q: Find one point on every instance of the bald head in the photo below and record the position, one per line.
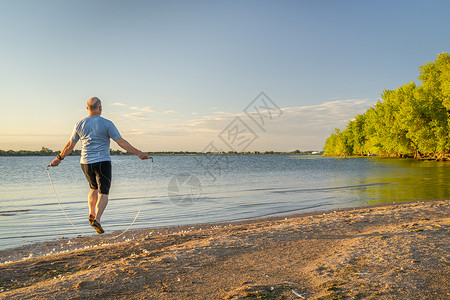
(94, 105)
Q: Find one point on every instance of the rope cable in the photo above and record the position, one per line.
(129, 226)
(140, 206)
(59, 202)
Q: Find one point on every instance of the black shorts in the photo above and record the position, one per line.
(98, 175)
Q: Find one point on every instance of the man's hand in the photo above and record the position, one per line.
(127, 147)
(143, 155)
(66, 151)
(55, 162)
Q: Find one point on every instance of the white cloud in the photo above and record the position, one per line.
(308, 127)
(137, 113)
(118, 104)
(137, 116)
(143, 109)
(224, 113)
(135, 132)
(300, 127)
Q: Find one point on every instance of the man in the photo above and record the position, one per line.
(95, 133)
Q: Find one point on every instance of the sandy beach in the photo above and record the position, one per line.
(395, 251)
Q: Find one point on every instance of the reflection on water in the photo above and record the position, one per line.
(249, 187)
(359, 186)
(410, 180)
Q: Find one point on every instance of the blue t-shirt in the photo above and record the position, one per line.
(95, 133)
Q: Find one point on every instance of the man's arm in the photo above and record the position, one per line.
(127, 147)
(66, 151)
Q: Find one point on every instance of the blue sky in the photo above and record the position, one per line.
(173, 75)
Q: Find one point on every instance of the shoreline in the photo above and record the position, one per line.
(388, 250)
(62, 245)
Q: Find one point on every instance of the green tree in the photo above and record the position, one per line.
(435, 94)
(410, 120)
(336, 144)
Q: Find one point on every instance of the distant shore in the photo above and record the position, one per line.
(397, 251)
(48, 152)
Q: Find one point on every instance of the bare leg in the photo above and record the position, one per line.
(101, 205)
(92, 200)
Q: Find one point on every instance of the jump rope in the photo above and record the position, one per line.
(150, 170)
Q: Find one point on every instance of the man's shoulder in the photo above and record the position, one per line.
(106, 120)
(94, 120)
(81, 121)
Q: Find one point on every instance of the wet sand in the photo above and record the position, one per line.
(396, 251)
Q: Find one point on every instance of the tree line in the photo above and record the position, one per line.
(48, 152)
(410, 121)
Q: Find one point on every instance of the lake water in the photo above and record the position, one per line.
(180, 190)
